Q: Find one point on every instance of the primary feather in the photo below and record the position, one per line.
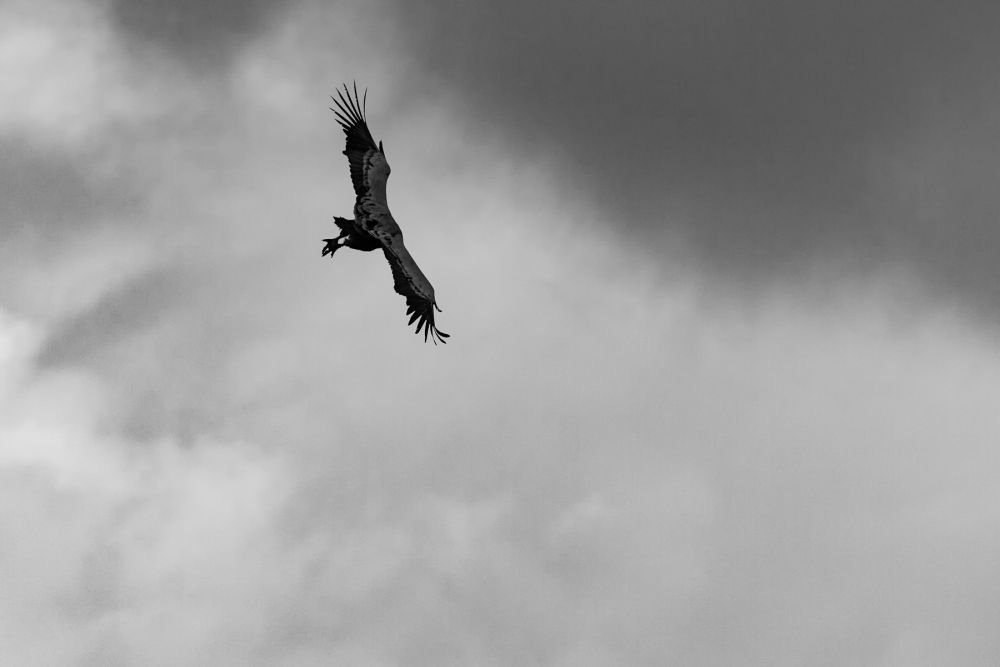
(373, 225)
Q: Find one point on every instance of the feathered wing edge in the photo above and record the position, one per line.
(419, 307)
(408, 282)
(350, 114)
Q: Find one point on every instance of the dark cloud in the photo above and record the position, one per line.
(199, 33)
(47, 192)
(132, 307)
(769, 134)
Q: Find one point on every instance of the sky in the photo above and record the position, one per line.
(722, 376)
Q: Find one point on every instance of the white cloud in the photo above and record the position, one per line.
(63, 71)
(111, 543)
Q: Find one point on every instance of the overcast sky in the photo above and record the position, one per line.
(722, 385)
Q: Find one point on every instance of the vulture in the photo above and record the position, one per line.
(373, 226)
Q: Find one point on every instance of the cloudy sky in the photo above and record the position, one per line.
(721, 279)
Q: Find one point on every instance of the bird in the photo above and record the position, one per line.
(373, 226)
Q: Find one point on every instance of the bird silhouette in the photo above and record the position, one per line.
(373, 226)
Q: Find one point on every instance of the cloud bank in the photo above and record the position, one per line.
(219, 448)
(767, 140)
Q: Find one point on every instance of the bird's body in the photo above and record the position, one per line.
(373, 226)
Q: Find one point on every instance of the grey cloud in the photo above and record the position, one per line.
(199, 33)
(133, 306)
(769, 135)
(593, 473)
(47, 192)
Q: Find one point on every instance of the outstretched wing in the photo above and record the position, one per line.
(369, 168)
(369, 173)
(411, 283)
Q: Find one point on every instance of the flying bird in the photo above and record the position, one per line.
(373, 226)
